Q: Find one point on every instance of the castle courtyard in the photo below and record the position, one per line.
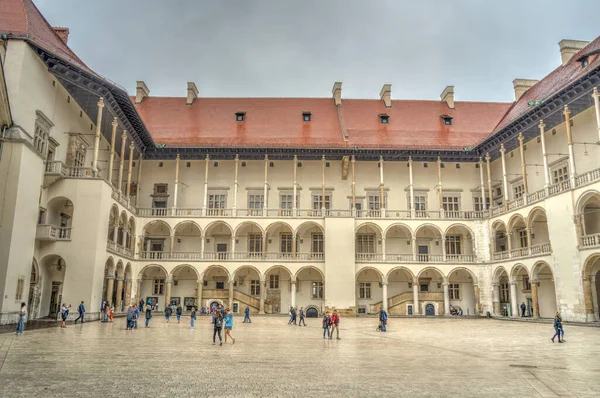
(434, 357)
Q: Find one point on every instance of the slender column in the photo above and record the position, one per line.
(353, 161)
(169, 284)
(587, 296)
(172, 246)
(414, 247)
(138, 292)
(544, 156)
(534, 299)
(440, 192)
(594, 297)
(231, 294)
(199, 292)
(443, 249)
(119, 293)
(205, 200)
(264, 246)
(293, 293)
(122, 160)
(383, 248)
(202, 246)
(514, 305)
(528, 232)
(128, 188)
(381, 191)
(295, 190)
(294, 245)
(139, 181)
(384, 285)
(496, 298)
(235, 184)
(266, 189)
(482, 185)
(446, 300)
(323, 186)
(127, 302)
(97, 137)
(411, 189)
(509, 243)
(110, 285)
(232, 246)
(324, 300)
(596, 97)
(489, 176)
(116, 232)
(111, 157)
(573, 171)
(477, 299)
(523, 167)
(176, 189)
(416, 297)
(504, 175)
(261, 309)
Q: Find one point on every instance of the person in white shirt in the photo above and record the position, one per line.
(22, 317)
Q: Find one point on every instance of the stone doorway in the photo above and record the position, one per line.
(430, 310)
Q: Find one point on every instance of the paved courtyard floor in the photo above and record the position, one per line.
(416, 357)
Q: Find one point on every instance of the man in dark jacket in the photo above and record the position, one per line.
(81, 310)
(247, 315)
(168, 312)
(130, 317)
(523, 307)
(179, 311)
(383, 319)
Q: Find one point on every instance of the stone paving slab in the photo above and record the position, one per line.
(416, 358)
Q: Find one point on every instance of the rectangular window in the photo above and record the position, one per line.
(420, 203)
(160, 189)
(365, 290)
(42, 216)
(453, 244)
(518, 190)
(317, 290)
(365, 243)
(79, 158)
(317, 243)
(159, 204)
(478, 203)
(159, 286)
(255, 288)
(220, 285)
(217, 201)
(424, 287)
(504, 297)
(256, 201)
(20, 288)
(560, 174)
(523, 237)
(526, 283)
(286, 204)
(454, 291)
(273, 281)
(451, 203)
(317, 202)
(286, 242)
(254, 242)
(40, 140)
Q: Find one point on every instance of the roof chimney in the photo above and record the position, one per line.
(568, 48)
(386, 95)
(337, 93)
(141, 91)
(448, 96)
(192, 93)
(63, 33)
(521, 86)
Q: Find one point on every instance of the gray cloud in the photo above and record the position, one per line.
(277, 48)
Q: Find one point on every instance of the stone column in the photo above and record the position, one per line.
(596, 97)
(353, 162)
(477, 299)
(416, 310)
(266, 187)
(414, 247)
(383, 248)
(444, 249)
(97, 137)
(323, 186)
(295, 192)
(504, 176)
(110, 285)
(589, 301)
(572, 170)
(534, 299)
(235, 183)
(127, 293)
(169, 283)
(128, 188)
(176, 188)
(264, 245)
(172, 246)
(446, 300)
(489, 177)
(385, 296)
(381, 192)
(509, 243)
(496, 298)
(122, 161)
(111, 157)
(232, 245)
(411, 189)
(528, 232)
(139, 181)
(482, 185)
(231, 295)
(199, 292)
(294, 238)
(138, 292)
(206, 160)
(544, 156)
(202, 246)
(293, 293)
(440, 191)
(514, 304)
(523, 167)
(261, 305)
(116, 231)
(119, 293)
(594, 296)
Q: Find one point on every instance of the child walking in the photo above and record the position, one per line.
(326, 324)
(193, 317)
(228, 325)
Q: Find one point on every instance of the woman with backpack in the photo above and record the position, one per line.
(148, 315)
(168, 312)
(326, 321)
(218, 325)
(228, 325)
(179, 311)
(557, 328)
(64, 312)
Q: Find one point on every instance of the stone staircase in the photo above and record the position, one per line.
(242, 298)
(397, 305)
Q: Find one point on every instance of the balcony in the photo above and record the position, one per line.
(227, 256)
(118, 249)
(122, 199)
(57, 170)
(53, 233)
(409, 258)
(587, 178)
(589, 241)
(523, 252)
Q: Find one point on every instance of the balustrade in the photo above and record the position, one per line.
(53, 233)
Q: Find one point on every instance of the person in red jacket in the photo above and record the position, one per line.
(335, 322)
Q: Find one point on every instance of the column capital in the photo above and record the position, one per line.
(541, 125)
(502, 149)
(495, 284)
(445, 283)
(100, 103)
(534, 282)
(566, 111)
(132, 147)
(513, 283)
(520, 137)
(293, 282)
(110, 276)
(384, 283)
(207, 157)
(487, 157)
(114, 122)
(120, 278)
(139, 280)
(169, 279)
(595, 92)
(179, 157)
(410, 159)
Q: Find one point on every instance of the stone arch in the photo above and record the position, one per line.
(400, 268)
(591, 265)
(533, 213)
(381, 275)
(398, 225)
(250, 224)
(309, 267)
(305, 226)
(33, 300)
(213, 224)
(591, 286)
(53, 268)
(429, 225)
(252, 267)
(187, 222)
(459, 225)
(498, 273)
(214, 267)
(516, 218)
(538, 266)
(35, 272)
(498, 224)
(588, 209)
(120, 269)
(274, 267)
(434, 269)
(157, 223)
(154, 265)
(372, 225)
(515, 270)
(543, 274)
(113, 222)
(181, 266)
(274, 225)
(128, 273)
(584, 198)
(538, 226)
(468, 271)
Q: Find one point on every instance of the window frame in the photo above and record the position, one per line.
(316, 291)
(364, 290)
(158, 286)
(273, 281)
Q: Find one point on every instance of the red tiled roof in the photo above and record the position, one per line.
(277, 122)
(22, 19)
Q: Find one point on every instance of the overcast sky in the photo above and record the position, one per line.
(278, 48)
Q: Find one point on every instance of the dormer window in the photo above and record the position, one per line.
(447, 119)
(240, 116)
(384, 118)
(585, 61)
(306, 116)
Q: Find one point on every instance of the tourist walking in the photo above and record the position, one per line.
(141, 304)
(557, 328)
(81, 311)
(301, 314)
(382, 319)
(137, 316)
(148, 315)
(64, 312)
(218, 325)
(523, 308)
(22, 316)
(110, 312)
(326, 323)
(247, 315)
(193, 317)
(335, 325)
(168, 312)
(228, 325)
(291, 316)
(130, 317)
(103, 310)
(179, 311)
